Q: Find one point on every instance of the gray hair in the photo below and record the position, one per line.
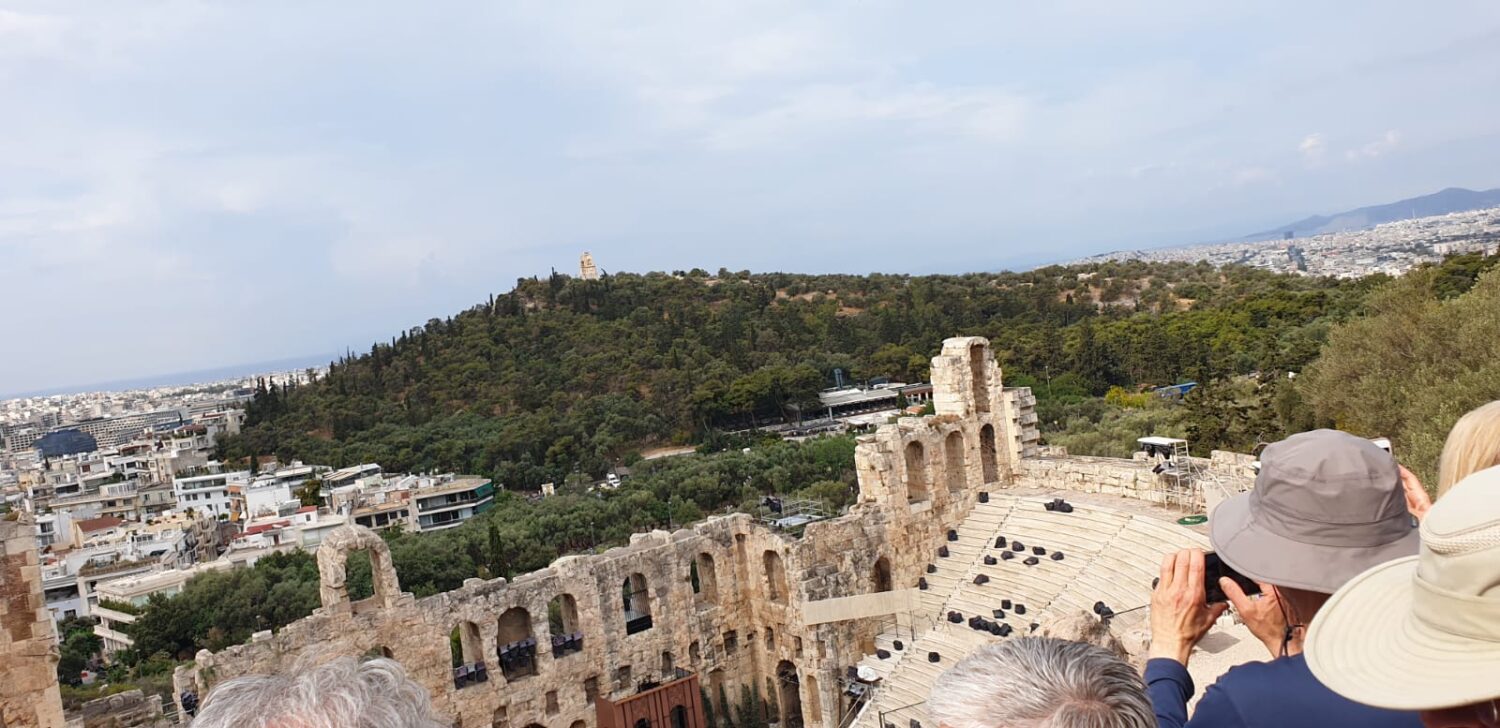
(1040, 682)
(342, 693)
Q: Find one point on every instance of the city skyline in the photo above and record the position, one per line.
(242, 184)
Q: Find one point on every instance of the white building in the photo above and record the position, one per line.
(208, 492)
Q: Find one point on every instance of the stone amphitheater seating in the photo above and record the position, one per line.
(1110, 555)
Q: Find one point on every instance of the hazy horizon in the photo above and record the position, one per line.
(195, 183)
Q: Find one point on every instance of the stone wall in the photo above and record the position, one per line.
(28, 656)
(130, 708)
(1125, 478)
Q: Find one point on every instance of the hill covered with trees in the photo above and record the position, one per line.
(563, 375)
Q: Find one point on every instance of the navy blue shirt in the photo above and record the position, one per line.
(1281, 693)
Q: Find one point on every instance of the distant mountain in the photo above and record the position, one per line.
(1453, 199)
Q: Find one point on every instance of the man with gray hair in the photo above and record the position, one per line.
(1040, 682)
(342, 693)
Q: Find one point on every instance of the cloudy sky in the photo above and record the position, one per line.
(186, 185)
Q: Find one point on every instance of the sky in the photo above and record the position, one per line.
(189, 185)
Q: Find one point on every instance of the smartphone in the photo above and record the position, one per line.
(1213, 568)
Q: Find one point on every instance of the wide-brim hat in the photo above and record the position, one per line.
(1326, 506)
(1422, 633)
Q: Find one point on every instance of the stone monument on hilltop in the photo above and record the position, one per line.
(586, 268)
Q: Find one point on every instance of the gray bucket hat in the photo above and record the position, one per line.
(1326, 506)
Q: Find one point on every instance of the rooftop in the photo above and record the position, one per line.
(90, 525)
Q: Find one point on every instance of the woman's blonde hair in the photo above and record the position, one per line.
(1473, 445)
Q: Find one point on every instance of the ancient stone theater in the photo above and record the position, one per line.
(965, 532)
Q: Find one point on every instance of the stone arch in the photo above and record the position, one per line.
(953, 461)
(677, 718)
(466, 644)
(516, 643)
(668, 664)
(881, 575)
(562, 616)
(978, 359)
(333, 577)
(635, 598)
(578, 724)
(377, 652)
(916, 472)
(775, 577)
(790, 694)
(706, 585)
(987, 453)
(813, 700)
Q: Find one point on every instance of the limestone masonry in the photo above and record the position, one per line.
(28, 658)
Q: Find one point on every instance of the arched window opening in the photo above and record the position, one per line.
(706, 578)
(517, 645)
(953, 461)
(981, 388)
(916, 472)
(679, 716)
(642, 723)
(466, 647)
(987, 453)
(578, 724)
(770, 639)
(695, 653)
(341, 578)
(668, 665)
(500, 719)
(775, 577)
(636, 601)
(377, 652)
(882, 574)
(790, 697)
(562, 624)
(814, 701)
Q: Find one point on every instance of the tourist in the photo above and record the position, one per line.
(1473, 445)
(342, 693)
(1423, 633)
(1326, 506)
(1040, 681)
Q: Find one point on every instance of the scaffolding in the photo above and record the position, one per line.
(790, 515)
(1181, 481)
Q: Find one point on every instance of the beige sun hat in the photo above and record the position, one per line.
(1422, 633)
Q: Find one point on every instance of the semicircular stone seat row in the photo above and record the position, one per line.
(1109, 555)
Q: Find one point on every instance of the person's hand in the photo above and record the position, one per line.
(1179, 615)
(1417, 500)
(1262, 615)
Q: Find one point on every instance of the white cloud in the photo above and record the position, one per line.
(1379, 147)
(1314, 148)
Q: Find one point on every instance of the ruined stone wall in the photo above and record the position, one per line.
(1124, 478)
(129, 709)
(28, 656)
